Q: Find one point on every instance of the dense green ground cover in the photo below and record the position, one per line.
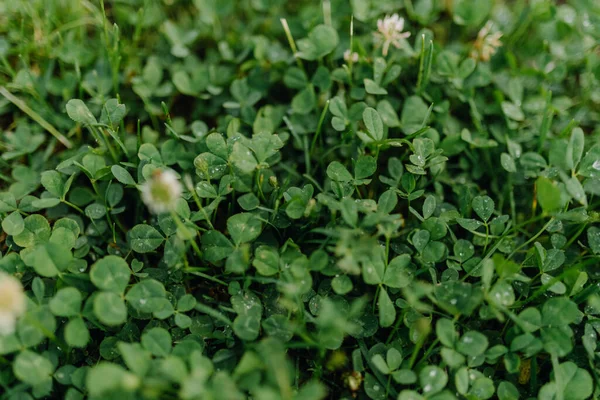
(271, 199)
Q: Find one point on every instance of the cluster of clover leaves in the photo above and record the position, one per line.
(422, 225)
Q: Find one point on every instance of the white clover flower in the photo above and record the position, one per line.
(160, 192)
(389, 32)
(350, 56)
(487, 43)
(12, 303)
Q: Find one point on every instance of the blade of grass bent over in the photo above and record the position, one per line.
(35, 116)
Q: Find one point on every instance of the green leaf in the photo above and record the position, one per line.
(122, 175)
(507, 391)
(507, 162)
(472, 344)
(548, 195)
(322, 40)
(79, 112)
(104, 378)
(434, 252)
(380, 364)
(215, 246)
(111, 273)
(244, 228)
(531, 319)
(144, 238)
(432, 379)
(446, 332)
(420, 239)
(210, 166)
(373, 269)
(13, 224)
(186, 303)
(54, 183)
(217, 145)
(249, 202)
(560, 311)
(144, 295)
(8, 202)
(482, 388)
(593, 237)
(157, 341)
(463, 250)
(349, 210)
(576, 145)
(136, 358)
(365, 167)
(77, 333)
(413, 114)
(32, 368)
(467, 13)
(393, 358)
(66, 302)
(429, 206)
(410, 395)
(305, 101)
(48, 259)
(580, 386)
(36, 231)
(575, 189)
(387, 310)
(512, 111)
(372, 87)
(243, 159)
(341, 284)
(484, 207)
(373, 388)
(388, 201)
(399, 273)
(502, 294)
(589, 166)
(266, 260)
(373, 123)
(110, 309)
(112, 113)
(337, 172)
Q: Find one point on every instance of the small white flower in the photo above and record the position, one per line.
(161, 191)
(12, 303)
(350, 56)
(487, 43)
(389, 32)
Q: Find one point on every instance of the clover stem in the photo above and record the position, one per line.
(319, 127)
(531, 239)
(194, 271)
(73, 206)
(487, 235)
(290, 38)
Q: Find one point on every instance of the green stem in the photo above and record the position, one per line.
(290, 38)
(194, 271)
(532, 239)
(73, 206)
(213, 313)
(319, 127)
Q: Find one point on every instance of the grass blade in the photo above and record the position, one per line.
(35, 116)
